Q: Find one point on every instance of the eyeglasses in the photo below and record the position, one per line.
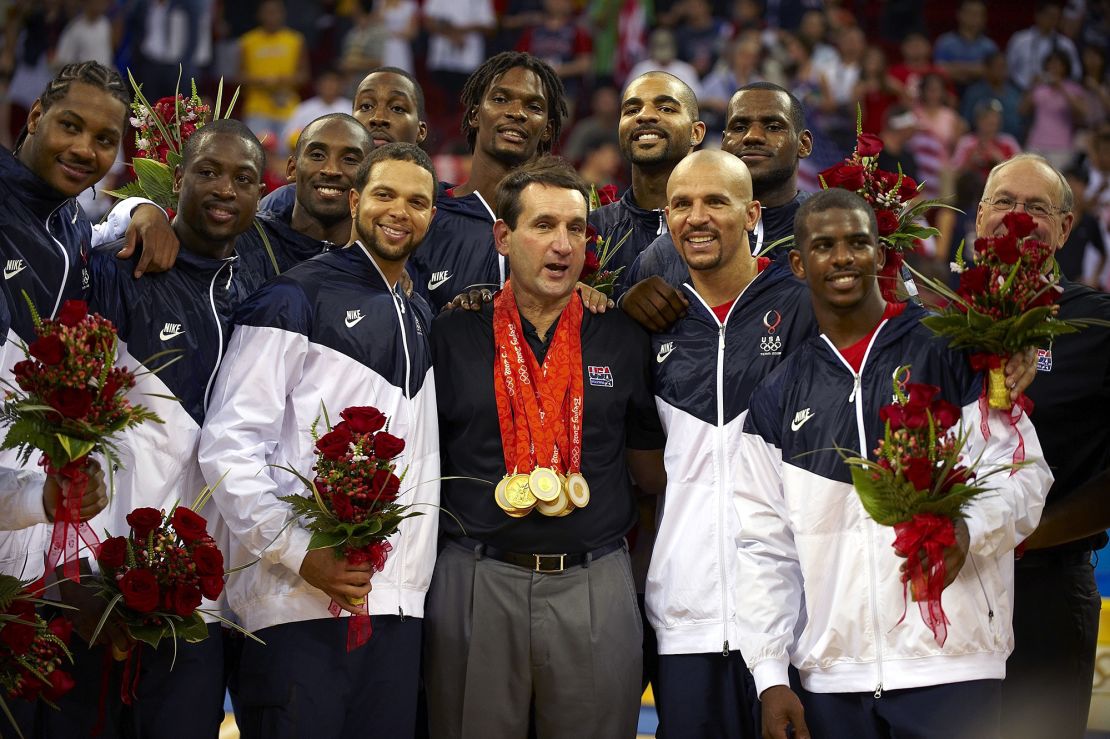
(1036, 209)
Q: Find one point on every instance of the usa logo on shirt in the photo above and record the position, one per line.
(1044, 360)
(600, 376)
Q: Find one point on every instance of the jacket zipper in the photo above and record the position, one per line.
(399, 308)
(219, 328)
(986, 598)
(65, 257)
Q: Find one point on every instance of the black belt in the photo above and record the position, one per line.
(543, 563)
(1056, 557)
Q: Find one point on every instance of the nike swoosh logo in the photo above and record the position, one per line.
(435, 282)
(663, 354)
(351, 323)
(167, 335)
(10, 273)
(797, 423)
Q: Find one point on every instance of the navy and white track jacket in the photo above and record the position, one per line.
(637, 226)
(329, 333)
(457, 253)
(703, 374)
(818, 582)
(185, 311)
(283, 248)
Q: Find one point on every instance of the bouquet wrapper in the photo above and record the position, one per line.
(930, 534)
(68, 527)
(359, 626)
(889, 274)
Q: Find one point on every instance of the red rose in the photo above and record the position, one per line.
(143, 521)
(914, 418)
(112, 384)
(19, 637)
(1005, 248)
(868, 145)
(186, 599)
(209, 560)
(363, 419)
(341, 506)
(888, 222)
(72, 312)
(140, 590)
(1045, 297)
(945, 414)
(61, 627)
(845, 176)
(607, 194)
(1019, 224)
(908, 190)
(113, 552)
(335, 443)
(71, 402)
(385, 485)
(189, 524)
(956, 476)
(920, 395)
(894, 415)
(211, 587)
(48, 350)
(60, 683)
(973, 282)
(919, 473)
(387, 446)
(590, 266)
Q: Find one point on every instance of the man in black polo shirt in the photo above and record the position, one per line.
(529, 611)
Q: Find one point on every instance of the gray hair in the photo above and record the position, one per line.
(1067, 197)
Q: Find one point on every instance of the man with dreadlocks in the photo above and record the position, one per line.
(515, 107)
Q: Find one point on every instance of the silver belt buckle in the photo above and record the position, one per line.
(540, 558)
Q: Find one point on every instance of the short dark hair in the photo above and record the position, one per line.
(1060, 54)
(89, 73)
(687, 96)
(797, 110)
(228, 127)
(834, 198)
(478, 82)
(397, 151)
(366, 141)
(546, 170)
(416, 88)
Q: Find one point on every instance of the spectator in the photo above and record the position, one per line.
(836, 111)
(162, 32)
(602, 165)
(877, 89)
(519, 16)
(813, 32)
(899, 126)
(364, 45)
(662, 50)
(1096, 83)
(980, 150)
(87, 36)
(33, 35)
(273, 64)
(936, 116)
(1083, 256)
(718, 88)
(1058, 106)
(328, 99)
(1098, 186)
(561, 42)
(916, 62)
(1027, 49)
(701, 38)
(600, 126)
(963, 53)
(401, 19)
(996, 85)
(457, 44)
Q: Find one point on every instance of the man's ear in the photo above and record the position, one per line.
(291, 168)
(352, 200)
(805, 144)
(501, 233)
(697, 134)
(177, 175)
(421, 132)
(797, 265)
(34, 117)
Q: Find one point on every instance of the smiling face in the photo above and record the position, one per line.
(548, 246)
(710, 210)
(512, 119)
(393, 211)
(839, 259)
(386, 105)
(324, 167)
(656, 126)
(1026, 181)
(218, 193)
(73, 144)
(760, 131)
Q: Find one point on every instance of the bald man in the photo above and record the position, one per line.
(745, 315)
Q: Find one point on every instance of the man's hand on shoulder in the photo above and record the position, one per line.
(471, 300)
(337, 577)
(654, 304)
(150, 229)
(594, 300)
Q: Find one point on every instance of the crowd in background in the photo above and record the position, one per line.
(951, 87)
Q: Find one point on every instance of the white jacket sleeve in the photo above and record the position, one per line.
(769, 579)
(244, 422)
(115, 225)
(1000, 519)
(21, 495)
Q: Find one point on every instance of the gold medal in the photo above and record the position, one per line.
(544, 484)
(577, 490)
(499, 494)
(517, 493)
(557, 506)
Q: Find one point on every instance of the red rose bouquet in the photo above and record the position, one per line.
(1004, 303)
(601, 250)
(33, 651)
(891, 195)
(353, 508)
(920, 485)
(161, 130)
(68, 402)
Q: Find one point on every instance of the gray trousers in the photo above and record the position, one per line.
(501, 640)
